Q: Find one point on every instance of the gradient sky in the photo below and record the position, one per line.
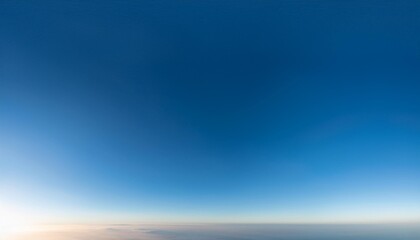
(237, 111)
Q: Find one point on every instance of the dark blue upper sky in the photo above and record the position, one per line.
(215, 110)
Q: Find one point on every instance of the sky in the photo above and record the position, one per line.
(210, 111)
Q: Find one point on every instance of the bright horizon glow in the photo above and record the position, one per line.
(14, 221)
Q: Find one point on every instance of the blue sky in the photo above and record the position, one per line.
(239, 111)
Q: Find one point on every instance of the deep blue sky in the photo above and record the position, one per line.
(284, 110)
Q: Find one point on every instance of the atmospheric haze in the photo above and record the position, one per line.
(226, 232)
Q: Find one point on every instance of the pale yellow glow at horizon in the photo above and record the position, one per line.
(14, 221)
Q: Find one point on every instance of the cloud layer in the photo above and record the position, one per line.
(226, 232)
